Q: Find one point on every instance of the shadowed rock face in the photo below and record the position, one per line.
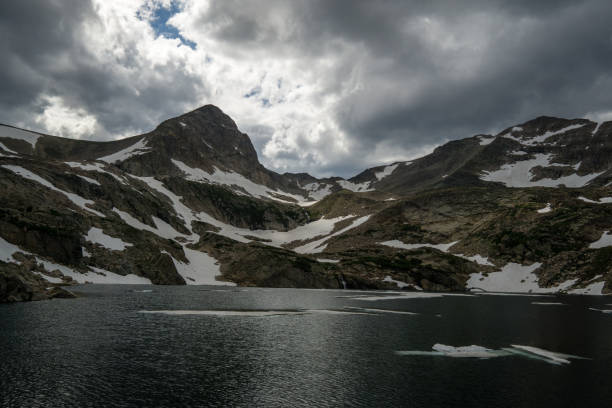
(76, 211)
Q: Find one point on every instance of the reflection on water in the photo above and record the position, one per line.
(193, 346)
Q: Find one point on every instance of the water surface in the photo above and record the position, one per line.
(295, 347)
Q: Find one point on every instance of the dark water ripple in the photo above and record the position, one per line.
(99, 350)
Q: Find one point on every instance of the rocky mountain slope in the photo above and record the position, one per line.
(529, 209)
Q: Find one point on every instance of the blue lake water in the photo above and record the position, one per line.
(290, 347)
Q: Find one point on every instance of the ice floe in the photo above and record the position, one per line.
(97, 236)
(138, 148)
(607, 311)
(76, 199)
(480, 352)
(548, 303)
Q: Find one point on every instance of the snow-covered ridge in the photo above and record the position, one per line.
(14, 133)
(76, 199)
(136, 149)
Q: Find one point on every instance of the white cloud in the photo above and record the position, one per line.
(62, 120)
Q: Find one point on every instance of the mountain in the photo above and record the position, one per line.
(529, 209)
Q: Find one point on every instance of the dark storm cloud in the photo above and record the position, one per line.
(542, 57)
(406, 73)
(45, 54)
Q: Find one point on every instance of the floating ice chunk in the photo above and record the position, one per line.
(604, 241)
(97, 236)
(486, 353)
(377, 311)
(399, 244)
(76, 199)
(545, 210)
(601, 310)
(548, 303)
(136, 149)
(550, 355)
(14, 133)
(328, 260)
(464, 351)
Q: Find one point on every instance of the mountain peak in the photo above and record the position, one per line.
(208, 114)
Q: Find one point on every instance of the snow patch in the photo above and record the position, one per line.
(399, 244)
(234, 179)
(76, 199)
(485, 140)
(14, 133)
(97, 236)
(387, 171)
(545, 210)
(595, 288)
(603, 200)
(89, 180)
(317, 246)
(136, 149)
(513, 277)
(355, 187)
(98, 167)
(519, 174)
(3, 147)
(604, 241)
(7, 250)
(202, 269)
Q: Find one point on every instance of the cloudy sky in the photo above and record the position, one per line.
(324, 86)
